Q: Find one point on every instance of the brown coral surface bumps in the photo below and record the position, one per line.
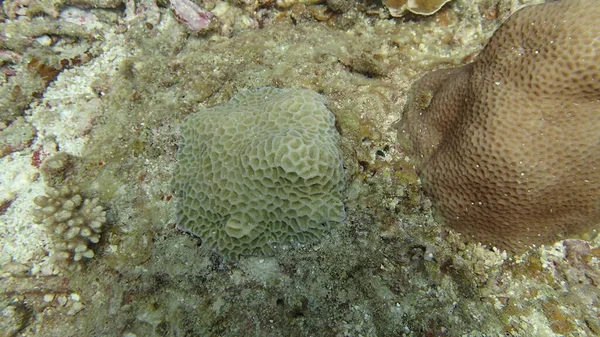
(508, 147)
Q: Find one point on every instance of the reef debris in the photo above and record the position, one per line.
(196, 18)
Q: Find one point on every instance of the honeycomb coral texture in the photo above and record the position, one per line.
(75, 223)
(261, 170)
(508, 147)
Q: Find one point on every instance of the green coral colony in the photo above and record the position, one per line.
(261, 170)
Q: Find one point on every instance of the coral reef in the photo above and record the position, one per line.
(75, 223)
(508, 146)
(110, 124)
(261, 170)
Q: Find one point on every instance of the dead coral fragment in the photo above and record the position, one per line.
(397, 8)
(193, 16)
(508, 146)
(75, 223)
(16, 137)
(31, 74)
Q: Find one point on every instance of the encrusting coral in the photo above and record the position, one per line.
(508, 147)
(74, 223)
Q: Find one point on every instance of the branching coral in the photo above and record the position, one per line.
(75, 223)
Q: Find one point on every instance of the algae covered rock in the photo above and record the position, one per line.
(260, 170)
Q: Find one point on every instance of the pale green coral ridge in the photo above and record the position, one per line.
(261, 170)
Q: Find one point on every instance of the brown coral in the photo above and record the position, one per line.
(508, 147)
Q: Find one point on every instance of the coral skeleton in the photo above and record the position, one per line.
(193, 16)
